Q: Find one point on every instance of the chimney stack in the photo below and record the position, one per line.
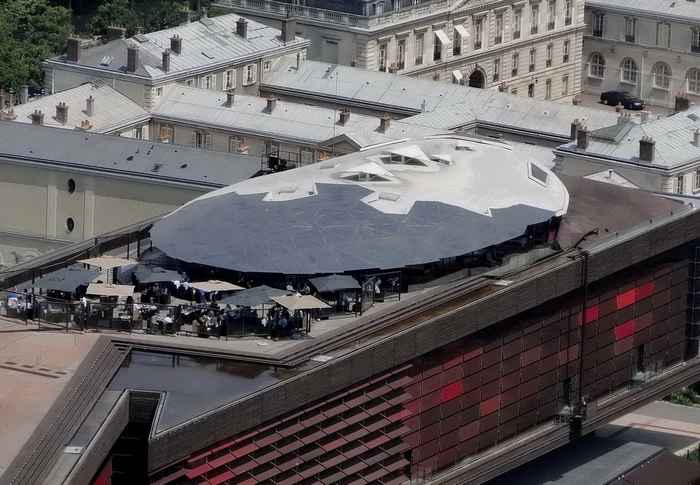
(62, 113)
(10, 115)
(73, 49)
(230, 97)
(132, 58)
(696, 137)
(166, 60)
(176, 44)
(288, 28)
(242, 27)
(271, 102)
(384, 122)
(574, 128)
(644, 116)
(90, 106)
(37, 117)
(344, 116)
(582, 135)
(646, 149)
(204, 12)
(24, 94)
(85, 125)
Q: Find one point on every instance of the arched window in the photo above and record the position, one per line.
(629, 71)
(661, 73)
(694, 80)
(596, 66)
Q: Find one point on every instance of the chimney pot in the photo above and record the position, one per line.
(646, 149)
(24, 94)
(384, 122)
(166, 60)
(242, 27)
(574, 128)
(271, 103)
(62, 113)
(73, 49)
(344, 116)
(204, 12)
(90, 106)
(230, 97)
(582, 137)
(176, 44)
(696, 137)
(288, 28)
(37, 117)
(132, 58)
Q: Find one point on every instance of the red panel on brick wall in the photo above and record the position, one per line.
(592, 313)
(451, 391)
(489, 406)
(627, 298)
(624, 330)
(645, 291)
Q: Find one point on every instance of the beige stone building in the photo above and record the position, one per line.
(59, 186)
(531, 48)
(643, 47)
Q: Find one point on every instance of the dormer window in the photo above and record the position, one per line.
(537, 174)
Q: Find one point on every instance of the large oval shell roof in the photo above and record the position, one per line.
(401, 204)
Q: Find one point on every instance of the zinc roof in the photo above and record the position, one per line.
(122, 157)
(437, 105)
(111, 109)
(207, 42)
(287, 121)
(673, 137)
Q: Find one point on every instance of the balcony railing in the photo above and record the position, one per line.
(477, 45)
(532, 68)
(550, 26)
(567, 21)
(695, 49)
(597, 33)
(406, 10)
(498, 39)
(533, 29)
(565, 58)
(513, 72)
(629, 38)
(516, 34)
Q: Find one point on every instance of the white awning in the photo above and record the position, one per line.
(101, 289)
(299, 302)
(215, 285)
(107, 262)
(462, 31)
(457, 75)
(442, 37)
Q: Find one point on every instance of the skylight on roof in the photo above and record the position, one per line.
(537, 174)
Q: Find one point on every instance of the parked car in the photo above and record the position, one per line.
(613, 98)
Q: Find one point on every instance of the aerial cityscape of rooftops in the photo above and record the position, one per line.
(358, 242)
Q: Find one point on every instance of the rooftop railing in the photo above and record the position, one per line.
(406, 10)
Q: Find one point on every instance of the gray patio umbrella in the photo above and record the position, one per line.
(66, 279)
(334, 282)
(253, 297)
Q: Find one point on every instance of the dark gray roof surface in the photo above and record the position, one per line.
(331, 232)
(590, 461)
(120, 156)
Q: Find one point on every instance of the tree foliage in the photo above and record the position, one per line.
(30, 31)
(146, 15)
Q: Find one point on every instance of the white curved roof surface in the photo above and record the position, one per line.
(404, 203)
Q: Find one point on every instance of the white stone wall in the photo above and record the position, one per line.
(645, 52)
(361, 47)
